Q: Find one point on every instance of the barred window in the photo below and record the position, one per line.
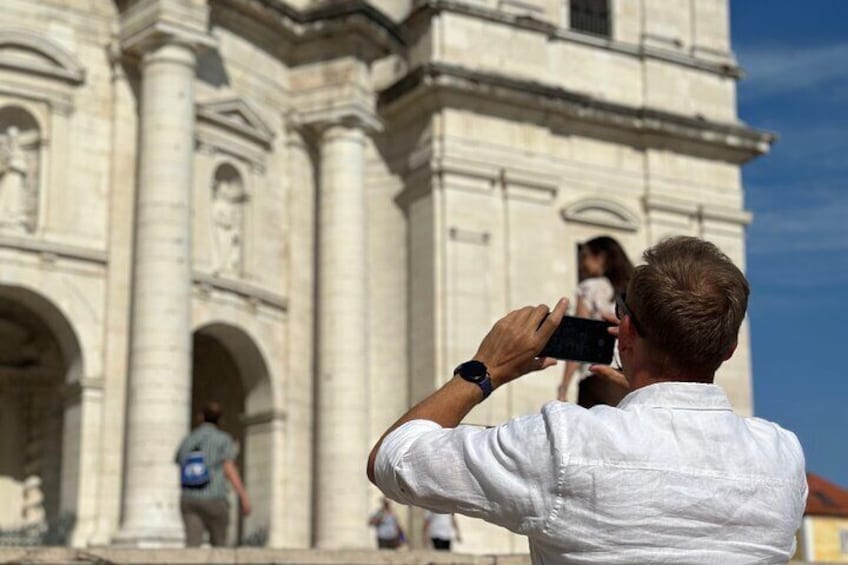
(590, 16)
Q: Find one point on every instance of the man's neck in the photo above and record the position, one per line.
(643, 377)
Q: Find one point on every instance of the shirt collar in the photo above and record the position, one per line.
(699, 396)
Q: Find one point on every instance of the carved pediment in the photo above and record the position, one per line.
(27, 52)
(604, 213)
(238, 116)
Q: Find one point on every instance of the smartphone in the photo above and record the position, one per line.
(581, 339)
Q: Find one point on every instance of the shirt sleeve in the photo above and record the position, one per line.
(505, 474)
(229, 449)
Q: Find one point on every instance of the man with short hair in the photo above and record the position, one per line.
(206, 458)
(669, 475)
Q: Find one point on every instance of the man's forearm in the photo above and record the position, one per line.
(508, 351)
(447, 407)
(232, 474)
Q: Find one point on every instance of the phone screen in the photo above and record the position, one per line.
(581, 339)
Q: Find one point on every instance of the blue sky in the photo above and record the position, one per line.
(795, 55)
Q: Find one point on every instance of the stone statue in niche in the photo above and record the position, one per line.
(228, 199)
(18, 174)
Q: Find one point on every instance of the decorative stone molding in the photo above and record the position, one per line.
(518, 183)
(667, 204)
(29, 53)
(264, 417)
(532, 186)
(336, 93)
(347, 105)
(731, 141)
(150, 22)
(603, 213)
(325, 22)
(727, 215)
(696, 210)
(233, 127)
(237, 116)
(72, 392)
(247, 292)
(52, 250)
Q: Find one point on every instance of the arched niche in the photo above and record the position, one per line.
(227, 221)
(21, 168)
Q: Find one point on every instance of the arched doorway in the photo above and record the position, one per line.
(228, 367)
(39, 357)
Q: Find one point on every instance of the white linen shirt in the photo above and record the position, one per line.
(671, 475)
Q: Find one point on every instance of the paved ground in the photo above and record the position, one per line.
(247, 556)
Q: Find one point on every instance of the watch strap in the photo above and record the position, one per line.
(486, 386)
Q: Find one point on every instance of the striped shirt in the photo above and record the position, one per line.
(217, 447)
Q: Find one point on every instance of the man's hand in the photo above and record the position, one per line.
(615, 376)
(510, 348)
(246, 508)
(508, 351)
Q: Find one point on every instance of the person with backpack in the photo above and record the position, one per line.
(206, 458)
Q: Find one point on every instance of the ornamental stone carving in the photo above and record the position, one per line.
(18, 177)
(227, 216)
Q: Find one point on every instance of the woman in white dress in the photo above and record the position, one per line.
(604, 271)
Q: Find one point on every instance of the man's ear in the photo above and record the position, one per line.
(730, 351)
(625, 334)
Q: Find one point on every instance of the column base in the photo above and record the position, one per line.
(149, 538)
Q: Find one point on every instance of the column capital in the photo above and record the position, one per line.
(349, 115)
(149, 23)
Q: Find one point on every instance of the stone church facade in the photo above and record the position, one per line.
(312, 211)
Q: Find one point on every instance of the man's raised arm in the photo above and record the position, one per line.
(508, 351)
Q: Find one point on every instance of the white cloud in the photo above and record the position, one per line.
(779, 70)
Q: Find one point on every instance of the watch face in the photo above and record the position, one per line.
(473, 371)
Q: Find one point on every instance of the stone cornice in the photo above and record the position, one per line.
(251, 293)
(695, 209)
(325, 21)
(50, 251)
(737, 143)
(152, 22)
(425, 9)
(265, 417)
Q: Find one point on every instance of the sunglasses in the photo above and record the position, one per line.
(622, 309)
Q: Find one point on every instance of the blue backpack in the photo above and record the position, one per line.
(194, 473)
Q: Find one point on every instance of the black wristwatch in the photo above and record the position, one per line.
(477, 373)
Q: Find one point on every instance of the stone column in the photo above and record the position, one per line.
(342, 408)
(160, 338)
(166, 34)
